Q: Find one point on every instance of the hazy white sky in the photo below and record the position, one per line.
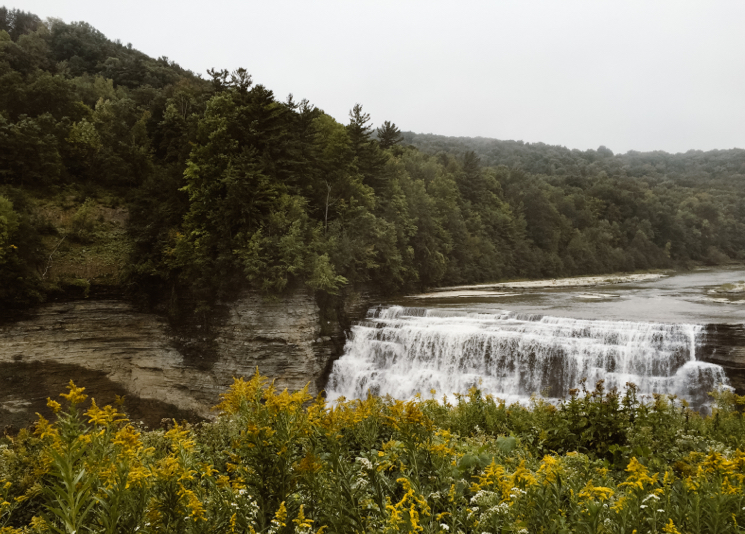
(642, 75)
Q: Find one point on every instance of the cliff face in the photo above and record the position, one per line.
(112, 349)
(724, 344)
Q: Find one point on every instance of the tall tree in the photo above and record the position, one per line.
(369, 158)
(389, 135)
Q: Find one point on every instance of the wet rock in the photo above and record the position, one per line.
(724, 344)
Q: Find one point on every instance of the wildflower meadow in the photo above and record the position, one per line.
(283, 462)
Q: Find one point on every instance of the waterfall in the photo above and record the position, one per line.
(401, 351)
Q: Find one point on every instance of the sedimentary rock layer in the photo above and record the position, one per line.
(111, 348)
(724, 344)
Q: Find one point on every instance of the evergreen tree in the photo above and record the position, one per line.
(389, 135)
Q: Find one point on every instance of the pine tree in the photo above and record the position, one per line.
(389, 135)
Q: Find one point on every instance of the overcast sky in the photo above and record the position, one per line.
(630, 75)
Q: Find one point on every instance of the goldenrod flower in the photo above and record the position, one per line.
(75, 395)
(54, 405)
(670, 528)
(595, 492)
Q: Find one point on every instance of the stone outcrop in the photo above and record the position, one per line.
(724, 344)
(112, 349)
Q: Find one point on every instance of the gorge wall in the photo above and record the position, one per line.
(112, 349)
(724, 344)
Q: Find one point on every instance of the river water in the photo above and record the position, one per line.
(543, 341)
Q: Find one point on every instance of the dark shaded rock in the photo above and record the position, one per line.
(724, 344)
(26, 386)
(111, 348)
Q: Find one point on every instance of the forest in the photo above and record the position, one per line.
(120, 172)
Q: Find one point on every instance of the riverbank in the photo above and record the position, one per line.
(496, 290)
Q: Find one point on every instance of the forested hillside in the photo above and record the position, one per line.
(119, 170)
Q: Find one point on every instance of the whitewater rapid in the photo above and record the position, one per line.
(403, 352)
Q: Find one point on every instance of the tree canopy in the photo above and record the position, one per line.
(228, 186)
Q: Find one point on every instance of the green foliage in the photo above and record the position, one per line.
(84, 222)
(20, 244)
(323, 278)
(70, 496)
(8, 228)
(389, 135)
(281, 462)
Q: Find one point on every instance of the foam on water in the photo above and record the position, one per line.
(401, 351)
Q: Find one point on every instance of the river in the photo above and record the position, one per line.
(515, 343)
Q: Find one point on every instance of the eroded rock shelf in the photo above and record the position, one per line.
(112, 349)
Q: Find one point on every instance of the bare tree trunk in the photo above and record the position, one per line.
(49, 261)
(326, 219)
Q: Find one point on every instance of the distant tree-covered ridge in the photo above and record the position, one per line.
(120, 169)
(726, 167)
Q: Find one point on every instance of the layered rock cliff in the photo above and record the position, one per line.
(724, 344)
(112, 349)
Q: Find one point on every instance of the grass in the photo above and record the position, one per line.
(86, 240)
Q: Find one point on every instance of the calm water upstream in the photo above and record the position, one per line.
(682, 298)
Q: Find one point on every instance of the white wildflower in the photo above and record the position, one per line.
(365, 463)
(476, 497)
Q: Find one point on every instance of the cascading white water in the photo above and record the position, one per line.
(404, 351)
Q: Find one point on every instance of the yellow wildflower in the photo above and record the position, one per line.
(75, 396)
(728, 488)
(717, 463)
(193, 504)
(128, 439)
(599, 493)
(240, 393)
(618, 505)
(179, 437)
(550, 468)
(45, 429)
(54, 405)
(37, 523)
(301, 521)
(103, 416)
(638, 475)
(280, 518)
